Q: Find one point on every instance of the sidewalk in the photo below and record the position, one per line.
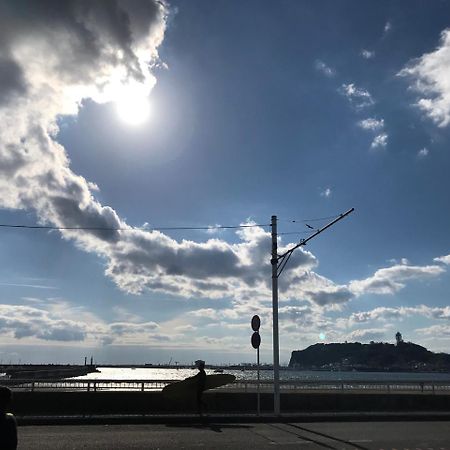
(367, 416)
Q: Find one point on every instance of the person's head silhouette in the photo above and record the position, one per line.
(200, 364)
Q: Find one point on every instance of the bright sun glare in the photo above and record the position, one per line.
(133, 109)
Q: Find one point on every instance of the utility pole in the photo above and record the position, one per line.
(278, 264)
(276, 340)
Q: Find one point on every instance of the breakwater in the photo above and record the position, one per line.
(147, 403)
(46, 371)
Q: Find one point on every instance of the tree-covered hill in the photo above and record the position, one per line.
(373, 356)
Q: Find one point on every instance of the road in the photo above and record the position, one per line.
(258, 436)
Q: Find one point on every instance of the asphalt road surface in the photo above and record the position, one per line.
(258, 436)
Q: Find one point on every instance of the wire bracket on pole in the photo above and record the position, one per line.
(278, 263)
(304, 241)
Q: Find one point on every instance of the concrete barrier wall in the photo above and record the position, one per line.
(90, 403)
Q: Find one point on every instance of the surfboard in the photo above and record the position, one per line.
(188, 387)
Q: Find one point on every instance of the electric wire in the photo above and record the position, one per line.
(50, 227)
(317, 219)
(294, 232)
(179, 228)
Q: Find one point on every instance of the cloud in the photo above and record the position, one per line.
(423, 153)
(380, 141)
(371, 124)
(386, 313)
(358, 97)
(387, 27)
(27, 285)
(325, 69)
(436, 331)
(439, 312)
(121, 328)
(214, 229)
(214, 269)
(392, 279)
(377, 126)
(382, 313)
(371, 334)
(317, 290)
(367, 54)
(123, 315)
(50, 321)
(54, 56)
(185, 328)
(24, 321)
(98, 50)
(443, 259)
(12, 82)
(429, 75)
(326, 193)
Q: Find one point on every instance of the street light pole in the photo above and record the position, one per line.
(276, 340)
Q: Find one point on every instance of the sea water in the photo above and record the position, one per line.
(152, 373)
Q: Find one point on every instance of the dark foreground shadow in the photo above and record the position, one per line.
(205, 423)
(318, 433)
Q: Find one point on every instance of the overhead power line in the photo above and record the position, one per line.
(181, 228)
(294, 232)
(49, 227)
(317, 219)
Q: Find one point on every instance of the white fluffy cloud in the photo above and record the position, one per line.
(371, 124)
(429, 75)
(377, 126)
(385, 313)
(390, 280)
(369, 334)
(443, 259)
(435, 331)
(380, 141)
(367, 54)
(358, 97)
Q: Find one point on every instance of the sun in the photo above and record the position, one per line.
(133, 109)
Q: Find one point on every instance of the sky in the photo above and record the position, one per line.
(144, 117)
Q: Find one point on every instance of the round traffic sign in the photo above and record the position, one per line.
(256, 340)
(256, 323)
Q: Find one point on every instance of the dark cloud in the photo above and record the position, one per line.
(85, 34)
(62, 332)
(332, 296)
(12, 82)
(67, 211)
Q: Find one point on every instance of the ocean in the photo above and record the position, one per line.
(114, 373)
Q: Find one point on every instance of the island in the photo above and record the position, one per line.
(375, 357)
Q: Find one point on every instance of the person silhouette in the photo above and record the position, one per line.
(8, 425)
(201, 384)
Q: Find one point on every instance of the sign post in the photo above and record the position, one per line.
(256, 342)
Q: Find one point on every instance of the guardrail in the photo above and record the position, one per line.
(237, 386)
(348, 386)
